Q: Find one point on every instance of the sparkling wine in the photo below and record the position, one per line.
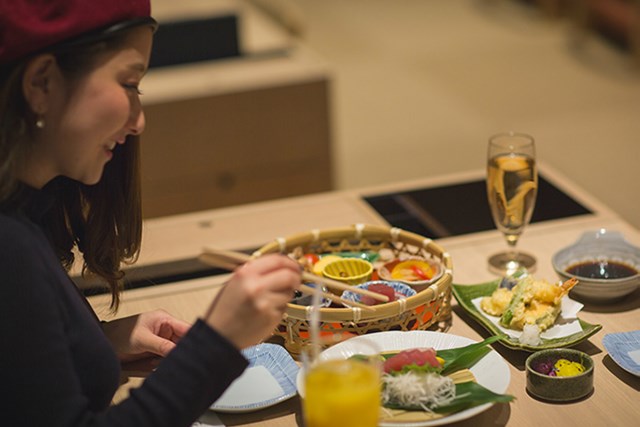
(512, 184)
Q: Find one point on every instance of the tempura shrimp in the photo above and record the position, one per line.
(530, 302)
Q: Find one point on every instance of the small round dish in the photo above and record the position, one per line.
(305, 299)
(349, 270)
(386, 272)
(400, 290)
(591, 258)
(322, 263)
(558, 388)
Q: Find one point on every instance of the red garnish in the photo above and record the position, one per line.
(418, 272)
(311, 258)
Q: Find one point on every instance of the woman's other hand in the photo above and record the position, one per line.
(146, 334)
(252, 303)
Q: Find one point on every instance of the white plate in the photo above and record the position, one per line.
(269, 379)
(491, 371)
(624, 349)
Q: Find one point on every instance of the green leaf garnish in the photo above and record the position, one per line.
(468, 395)
(472, 394)
(465, 357)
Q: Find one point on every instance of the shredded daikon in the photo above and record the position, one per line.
(418, 390)
(530, 335)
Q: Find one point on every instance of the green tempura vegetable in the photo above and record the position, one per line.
(517, 304)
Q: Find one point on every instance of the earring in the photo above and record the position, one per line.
(40, 123)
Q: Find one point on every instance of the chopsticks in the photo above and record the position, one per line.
(230, 260)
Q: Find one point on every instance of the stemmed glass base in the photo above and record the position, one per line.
(506, 263)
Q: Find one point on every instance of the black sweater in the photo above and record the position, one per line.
(57, 368)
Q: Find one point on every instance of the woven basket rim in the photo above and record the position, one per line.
(360, 232)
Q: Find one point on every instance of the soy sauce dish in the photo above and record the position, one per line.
(607, 266)
(559, 375)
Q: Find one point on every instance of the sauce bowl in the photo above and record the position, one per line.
(607, 266)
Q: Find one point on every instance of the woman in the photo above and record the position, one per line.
(70, 119)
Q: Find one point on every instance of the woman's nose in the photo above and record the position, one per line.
(137, 122)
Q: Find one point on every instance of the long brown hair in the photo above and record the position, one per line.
(104, 221)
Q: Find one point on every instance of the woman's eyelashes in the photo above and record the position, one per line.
(135, 88)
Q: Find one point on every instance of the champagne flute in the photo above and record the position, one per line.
(512, 185)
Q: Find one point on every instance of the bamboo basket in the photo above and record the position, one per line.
(428, 309)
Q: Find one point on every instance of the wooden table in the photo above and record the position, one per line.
(614, 401)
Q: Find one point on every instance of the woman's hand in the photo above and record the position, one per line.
(146, 334)
(252, 303)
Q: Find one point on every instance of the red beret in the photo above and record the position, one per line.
(28, 26)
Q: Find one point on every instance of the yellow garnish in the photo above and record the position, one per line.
(567, 368)
(413, 270)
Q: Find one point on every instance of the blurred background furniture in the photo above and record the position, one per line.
(237, 110)
(408, 94)
(616, 20)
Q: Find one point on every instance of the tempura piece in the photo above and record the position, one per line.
(530, 302)
(534, 302)
(497, 302)
(537, 313)
(548, 293)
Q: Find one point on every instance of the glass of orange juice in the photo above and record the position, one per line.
(342, 392)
